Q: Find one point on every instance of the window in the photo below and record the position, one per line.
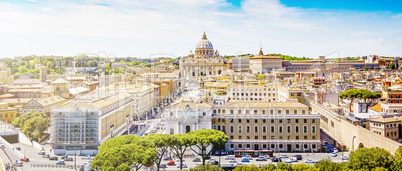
(288, 120)
(240, 146)
(305, 120)
(272, 137)
(248, 145)
(171, 131)
(231, 129)
(264, 137)
(297, 137)
(239, 112)
(272, 129)
(305, 129)
(255, 129)
(297, 120)
(305, 137)
(297, 129)
(171, 113)
(239, 120)
(287, 111)
(271, 112)
(289, 129)
(256, 121)
(263, 121)
(313, 129)
(263, 111)
(272, 121)
(279, 111)
(231, 120)
(264, 129)
(231, 145)
(256, 137)
(248, 137)
(240, 129)
(297, 145)
(240, 137)
(295, 111)
(248, 121)
(248, 129)
(255, 111)
(313, 121)
(313, 137)
(280, 120)
(280, 129)
(303, 111)
(231, 137)
(204, 114)
(231, 112)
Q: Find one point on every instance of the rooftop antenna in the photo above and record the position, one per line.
(260, 45)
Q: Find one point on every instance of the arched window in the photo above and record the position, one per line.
(187, 128)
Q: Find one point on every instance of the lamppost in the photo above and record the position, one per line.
(75, 151)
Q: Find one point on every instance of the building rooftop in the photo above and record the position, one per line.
(387, 118)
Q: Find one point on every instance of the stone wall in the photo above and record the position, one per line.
(350, 134)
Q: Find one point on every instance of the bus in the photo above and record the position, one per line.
(241, 153)
(270, 153)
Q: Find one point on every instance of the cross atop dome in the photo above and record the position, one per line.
(204, 36)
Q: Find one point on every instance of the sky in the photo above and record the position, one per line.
(153, 28)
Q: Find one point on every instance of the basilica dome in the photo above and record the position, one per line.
(204, 47)
(204, 43)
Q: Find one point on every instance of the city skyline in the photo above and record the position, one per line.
(139, 29)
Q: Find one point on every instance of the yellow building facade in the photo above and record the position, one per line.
(7, 114)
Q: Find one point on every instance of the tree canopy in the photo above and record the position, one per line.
(33, 124)
(362, 94)
(206, 137)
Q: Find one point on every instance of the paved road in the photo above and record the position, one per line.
(314, 156)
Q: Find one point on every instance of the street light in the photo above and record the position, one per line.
(75, 151)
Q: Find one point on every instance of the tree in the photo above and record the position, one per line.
(33, 124)
(162, 143)
(365, 68)
(247, 168)
(304, 167)
(350, 95)
(367, 96)
(397, 163)
(22, 70)
(27, 58)
(120, 153)
(260, 76)
(206, 167)
(369, 158)
(269, 167)
(180, 143)
(327, 164)
(203, 138)
(391, 66)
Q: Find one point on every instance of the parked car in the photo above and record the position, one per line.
(183, 165)
(309, 161)
(68, 159)
(261, 158)
(249, 157)
(170, 163)
(232, 161)
(88, 157)
(60, 162)
(41, 153)
(267, 157)
(162, 166)
(245, 159)
(336, 150)
(18, 148)
(229, 157)
(178, 160)
(293, 159)
(18, 164)
(283, 156)
(46, 156)
(345, 157)
(240, 164)
(276, 159)
(53, 158)
(288, 161)
(64, 157)
(197, 160)
(213, 162)
(334, 154)
(167, 158)
(298, 157)
(25, 159)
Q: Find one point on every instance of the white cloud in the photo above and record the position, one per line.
(139, 28)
